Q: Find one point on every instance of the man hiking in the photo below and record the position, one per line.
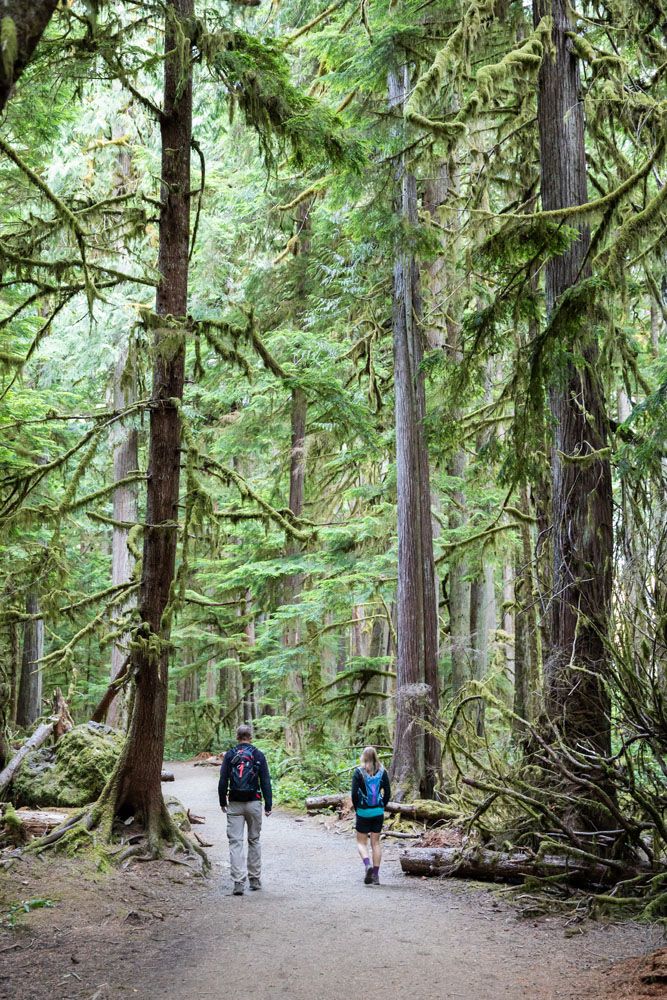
(244, 771)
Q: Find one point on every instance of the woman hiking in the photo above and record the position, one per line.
(370, 794)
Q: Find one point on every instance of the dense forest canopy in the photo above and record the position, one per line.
(332, 398)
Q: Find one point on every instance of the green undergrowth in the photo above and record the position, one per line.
(322, 770)
(11, 917)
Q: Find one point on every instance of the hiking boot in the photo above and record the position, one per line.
(375, 878)
(255, 884)
(368, 877)
(239, 889)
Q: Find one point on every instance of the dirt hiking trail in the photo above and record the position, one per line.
(314, 931)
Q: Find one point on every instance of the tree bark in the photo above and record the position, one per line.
(294, 729)
(22, 25)
(29, 706)
(526, 646)
(294, 582)
(482, 624)
(576, 699)
(136, 780)
(416, 759)
(497, 866)
(125, 445)
(443, 332)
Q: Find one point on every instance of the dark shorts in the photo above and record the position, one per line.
(369, 824)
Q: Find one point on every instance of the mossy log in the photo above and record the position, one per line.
(422, 810)
(498, 866)
(33, 822)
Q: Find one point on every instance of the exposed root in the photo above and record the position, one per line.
(97, 831)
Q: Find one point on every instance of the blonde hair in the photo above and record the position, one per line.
(370, 761)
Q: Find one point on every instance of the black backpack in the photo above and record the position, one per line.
(244, 769)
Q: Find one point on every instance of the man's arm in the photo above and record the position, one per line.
(224, 781)
(265, 782)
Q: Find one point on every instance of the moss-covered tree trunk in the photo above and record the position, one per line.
(125, 462)
(443, 332)
(135, 786)
(294, 582)
(22, 24)
(576, 698)
(526, 637)
(125, 445)
(29, 706)
(416, 759)
(294, 729)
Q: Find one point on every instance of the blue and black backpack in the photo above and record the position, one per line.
(371, 790)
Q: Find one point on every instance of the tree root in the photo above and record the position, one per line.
(96, 832)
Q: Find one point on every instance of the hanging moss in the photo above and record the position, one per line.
(73, 772)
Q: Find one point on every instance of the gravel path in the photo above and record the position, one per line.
(315, 931)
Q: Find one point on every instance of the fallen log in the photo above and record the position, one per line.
(498, 866)
(23, 825)
(209, 762)
(316, 802)
(37, 822)
(422, 810)
(59, 723)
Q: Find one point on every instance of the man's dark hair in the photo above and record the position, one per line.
(244, 733)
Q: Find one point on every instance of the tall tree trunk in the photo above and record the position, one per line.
(294, 729)
(416, 760)
(125, 462)
(250, 705)
(443, 332)
(582, 501)
(125, 446)
(294, 583)
(482, 625)
(508, 619)
(23, 25)
(29, 706)
(135, 785)
(368, 707)
(526, 646)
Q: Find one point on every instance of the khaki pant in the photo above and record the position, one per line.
(240, 815)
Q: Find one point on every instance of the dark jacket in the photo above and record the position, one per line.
(359, 788)
(264, 780)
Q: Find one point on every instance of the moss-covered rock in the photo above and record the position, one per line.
(178, 813)
(73, 772)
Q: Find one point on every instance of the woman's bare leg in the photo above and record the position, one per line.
(362, 845)
(377, 849)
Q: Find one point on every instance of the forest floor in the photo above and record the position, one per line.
(314, 931)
